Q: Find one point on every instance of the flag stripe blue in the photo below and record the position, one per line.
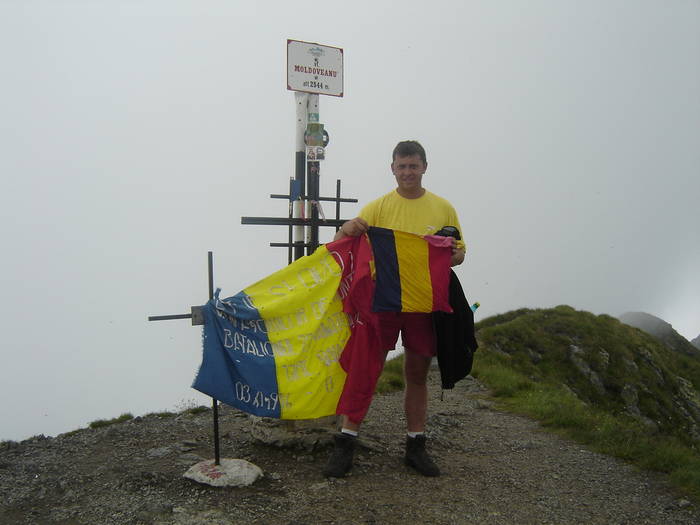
(387, 295)
(237, 348)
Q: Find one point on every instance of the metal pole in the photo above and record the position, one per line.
(312, 183)
(337, 202)
(169, 317)
(301, 100)
(290, 229)
(214, 401)
(210, 269)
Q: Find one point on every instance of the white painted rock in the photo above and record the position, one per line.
(230, 473)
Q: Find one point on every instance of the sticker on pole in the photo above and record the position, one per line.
(314, 68)
(315, 153)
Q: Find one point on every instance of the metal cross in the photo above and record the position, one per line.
(312, 222)
(198, 319)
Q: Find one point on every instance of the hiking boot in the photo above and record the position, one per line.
(418, 458)
(340, 461)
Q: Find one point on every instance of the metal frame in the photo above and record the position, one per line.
(314, 222)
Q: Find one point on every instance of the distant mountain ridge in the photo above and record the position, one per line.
(696, 342)
(663, 331)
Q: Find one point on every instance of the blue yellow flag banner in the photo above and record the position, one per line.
(285, 346)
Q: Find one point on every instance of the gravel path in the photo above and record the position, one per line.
(497, 469)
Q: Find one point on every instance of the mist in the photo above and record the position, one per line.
(136, 135)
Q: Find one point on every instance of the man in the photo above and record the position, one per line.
(413, 209)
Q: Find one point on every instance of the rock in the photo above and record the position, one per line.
(630, 365)
(535, 357)
(230, 473)
(649, 358)
(187, 446)
(307, 436)
(189, 458)
(575, 356)
(158, 452)
(630, 397)
(689, 394)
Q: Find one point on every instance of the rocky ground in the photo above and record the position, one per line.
(497, 469)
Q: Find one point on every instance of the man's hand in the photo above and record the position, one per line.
(352, 228)
(457, 256)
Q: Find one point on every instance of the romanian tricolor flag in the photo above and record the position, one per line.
(410, 271)
(284, 346)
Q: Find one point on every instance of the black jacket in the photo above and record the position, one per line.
(456, 342)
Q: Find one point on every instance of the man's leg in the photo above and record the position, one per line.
(416, 394)
(419, 340)
(349, 425)
(416, 406)
(340, 461)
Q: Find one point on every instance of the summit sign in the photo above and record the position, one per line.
(314, 68)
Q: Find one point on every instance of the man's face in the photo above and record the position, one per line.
(408, 172)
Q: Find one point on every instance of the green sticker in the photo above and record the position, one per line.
(314, 134)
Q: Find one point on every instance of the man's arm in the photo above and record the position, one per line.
(352, 228)
(457, 256)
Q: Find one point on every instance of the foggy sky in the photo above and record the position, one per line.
(135, 135)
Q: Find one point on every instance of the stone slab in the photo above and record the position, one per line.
(229, 473)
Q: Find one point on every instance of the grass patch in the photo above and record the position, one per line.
(100, 423)
(197, 410)
(8, 444)
(391, 379)
(504, 380)
(70, 432)
(161, 415)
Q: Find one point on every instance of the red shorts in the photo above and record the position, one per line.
(416, 329)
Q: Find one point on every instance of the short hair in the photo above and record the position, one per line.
(407, 148)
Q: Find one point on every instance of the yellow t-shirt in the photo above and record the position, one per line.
(422, 216)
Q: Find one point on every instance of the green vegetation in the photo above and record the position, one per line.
(99, 423)
(196, 410)
(391, 379)
(188, 409)
(161, 415)
(599, 382)
(71, 432)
